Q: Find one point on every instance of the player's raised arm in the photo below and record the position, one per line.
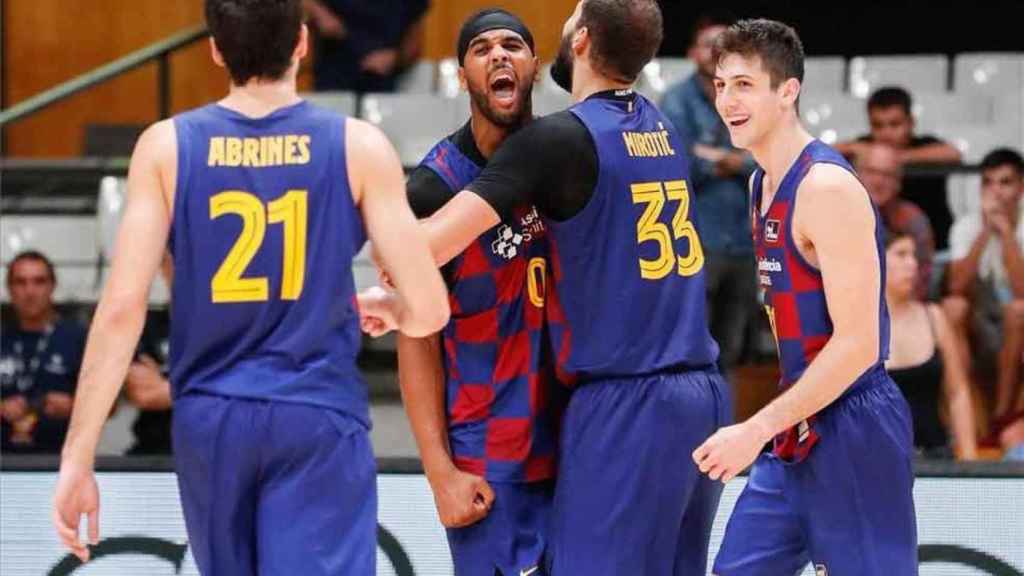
(116, 326)
(376, 177)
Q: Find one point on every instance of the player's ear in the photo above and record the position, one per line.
(790, 90)
(580, 40)
(302, 46)
(463, 86)
(218, 58)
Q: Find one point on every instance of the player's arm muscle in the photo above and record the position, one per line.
(457, 224)
(121, 313)
(421, 378)
(378, 183)
(833, 212)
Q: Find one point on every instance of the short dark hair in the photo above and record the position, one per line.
(890, 96)
(625, 35)
(256, 37)
(709, 20)
(1003, 157)
(893, 236)
(776, 44)
(30, 255)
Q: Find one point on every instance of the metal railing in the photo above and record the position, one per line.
(159, 51)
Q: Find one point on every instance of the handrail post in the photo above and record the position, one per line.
(164, 84)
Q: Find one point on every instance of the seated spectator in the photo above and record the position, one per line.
(40, 355)
(923, 356)
(879, 168)
(892, 123)
(986, 283)
(364, 45)
(719, 174)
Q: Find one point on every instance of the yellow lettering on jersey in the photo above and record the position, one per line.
(216, 156)
(251, 153)
(304, 141)
(291, 143)
(275, 151)
(233, 148)
(648, 144)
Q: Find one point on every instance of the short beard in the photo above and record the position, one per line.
(510, 119)
(561, 70)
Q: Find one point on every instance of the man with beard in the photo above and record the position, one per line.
(481, 404)
(626, 313)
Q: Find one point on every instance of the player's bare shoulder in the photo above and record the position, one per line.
(368, 152)
(156, 154)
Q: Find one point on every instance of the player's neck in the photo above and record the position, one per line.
(487, 135)
(780, 149)
(586, 82)
(258, 98)
(36, 323)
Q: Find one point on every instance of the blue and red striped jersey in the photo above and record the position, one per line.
(793, 290)
(502, 400)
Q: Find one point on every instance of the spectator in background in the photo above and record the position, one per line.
(986, 284)
(892, 122)
(719, 175)
(923, 356)
(879, 168)
(40, 355)
(364, 45)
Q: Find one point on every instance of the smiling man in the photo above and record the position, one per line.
(480, 397)
(836, 489)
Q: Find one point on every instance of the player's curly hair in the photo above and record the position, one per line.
(256, 37)
(776, 44)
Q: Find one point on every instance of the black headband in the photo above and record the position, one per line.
(487, 20)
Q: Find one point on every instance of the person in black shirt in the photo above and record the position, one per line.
(892, 123)
(40, 356)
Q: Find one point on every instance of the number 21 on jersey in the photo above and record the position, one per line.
(228, 283)
(650, 228)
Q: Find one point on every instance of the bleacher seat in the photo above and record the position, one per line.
(824, 75)
(974, 140)
(934, 109)
(341, 102)
(419, 79)
(545, 102)
(413, 122)
(991, 73)
(834, 117)
(924, 73)
(448, 78)
(963, 193)
(661, 74)
(70, 242)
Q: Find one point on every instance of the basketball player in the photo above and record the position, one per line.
(836, 489)
(627, 308)
(262, 199)
(479, 395)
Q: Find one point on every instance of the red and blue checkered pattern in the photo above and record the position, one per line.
(502, 416)
(794, 293)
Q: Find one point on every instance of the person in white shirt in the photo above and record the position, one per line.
(986, 280)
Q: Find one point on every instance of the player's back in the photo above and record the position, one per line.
(263, 236)
(629, 268)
